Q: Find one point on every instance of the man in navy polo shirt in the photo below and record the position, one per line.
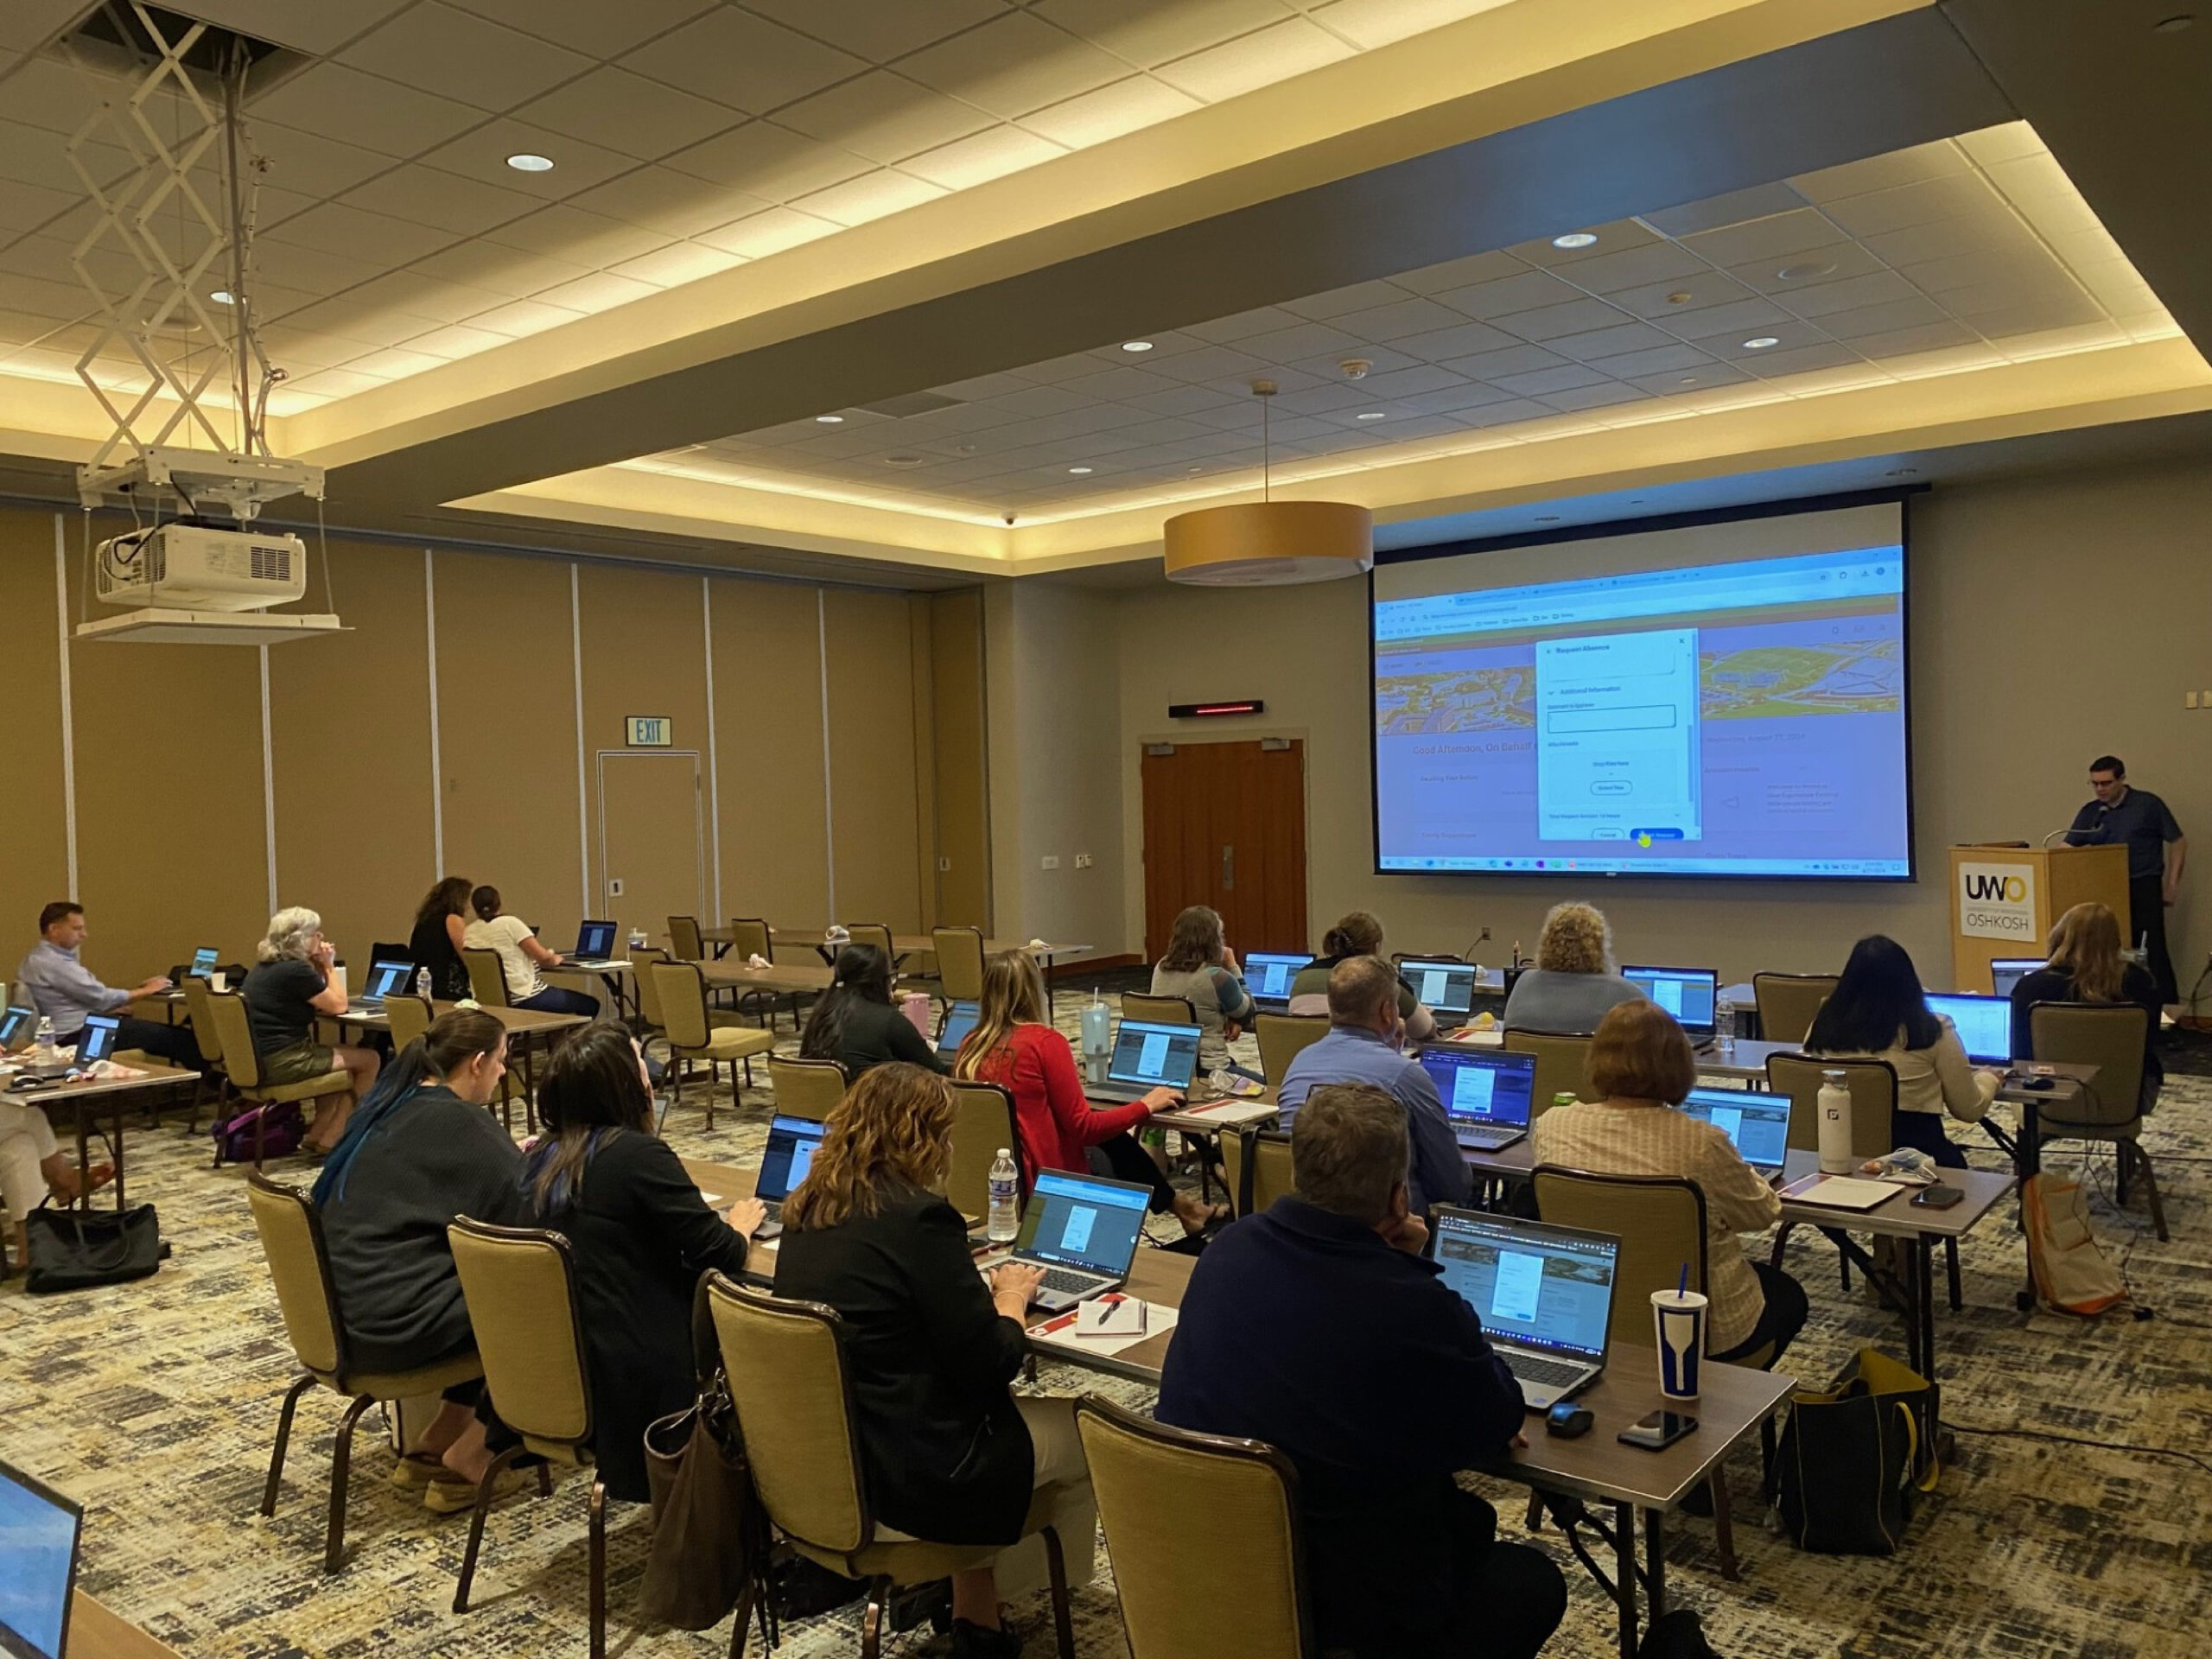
(2156, 852)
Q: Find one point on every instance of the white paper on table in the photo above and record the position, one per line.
(1841, 1192)
(1061, 1332)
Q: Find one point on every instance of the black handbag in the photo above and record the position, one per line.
(1854, 1463)
(77, 1250)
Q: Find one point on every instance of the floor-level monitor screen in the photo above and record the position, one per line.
(1721, 699)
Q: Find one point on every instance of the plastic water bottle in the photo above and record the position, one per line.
(1834, 1106)
(1005, 1219)
(1724, 1025)
(1097, 1036)
(45, 1038)
(422, 983)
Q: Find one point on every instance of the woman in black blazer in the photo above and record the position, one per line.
(642, 1234)
(950, 1455)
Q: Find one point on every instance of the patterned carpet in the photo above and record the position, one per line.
(153, 1404)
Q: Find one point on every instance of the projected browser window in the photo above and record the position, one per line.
(1737, 716)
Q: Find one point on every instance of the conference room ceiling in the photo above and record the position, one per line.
(595, 351)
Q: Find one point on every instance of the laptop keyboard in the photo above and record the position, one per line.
(1073, 1283)
(1531, 1368)
(1492, 1139)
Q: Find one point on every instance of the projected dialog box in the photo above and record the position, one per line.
(1616, 737)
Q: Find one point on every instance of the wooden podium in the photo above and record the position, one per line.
(2005, 899)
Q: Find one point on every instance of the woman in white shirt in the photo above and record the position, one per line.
(1878, 1011)
(520, 958)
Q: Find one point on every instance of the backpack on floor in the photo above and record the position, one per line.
(2071, 1273)
(281, 1135)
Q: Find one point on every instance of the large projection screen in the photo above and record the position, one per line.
(1718, 699)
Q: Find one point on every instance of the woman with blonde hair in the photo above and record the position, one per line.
(1357, 933)
(951, 1455)
(1014, 1046)
(2085, 966)
(1200, 968)
(287, 989)
(1574, 982)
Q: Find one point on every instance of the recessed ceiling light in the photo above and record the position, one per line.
(1575, 239)
(1079, 472)
(1808, 268)
(1370, 415)
(902, 460)
(1689, 380)
(828, 420)
(2175, 24)
(1136, 345)
(1760, 343)
(1195, 470)
(223, 296)
(528, 163)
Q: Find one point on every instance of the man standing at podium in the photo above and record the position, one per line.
(2156, 852)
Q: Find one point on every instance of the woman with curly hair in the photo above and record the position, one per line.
(951, 1455)
(1574, 980)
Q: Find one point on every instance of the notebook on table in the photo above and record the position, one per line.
(1487, 1093)
(792, 1142)
(1082, 1230)
(1691, 995)
(1544, 1294)
(594, 949)
(1756, 1123)
(1147, 1056)
(39, 1531)
(1446, 989)
(1985, 1025)
(1268, 977)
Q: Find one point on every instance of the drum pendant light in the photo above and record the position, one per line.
(1269, 542)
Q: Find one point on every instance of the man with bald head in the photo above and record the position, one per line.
(1365, 1036)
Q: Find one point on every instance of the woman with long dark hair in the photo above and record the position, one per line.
(857, 1025)
(441, 925)
(643, 1236)
(420, 1150)
(1878, 1011)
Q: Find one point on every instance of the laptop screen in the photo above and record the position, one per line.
(1150, 1056)
(1688, 994)
(388, 979)
(1480, 1088)
(1985, 1025)
(15, 1027)
(1546, 1287)
(38, 1530)
(2006, 972)
(96, 1039)
(959, 1020)
(1443, 986)
(1268, 977)
(1080, 1221)
(595, 941)
(792, 1142)
(203, 962)
(1756, 1122)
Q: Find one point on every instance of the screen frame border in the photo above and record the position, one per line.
(12, 1642)
(1901, 498)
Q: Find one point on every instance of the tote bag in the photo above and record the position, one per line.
(1853, 1463)
(78, 1249)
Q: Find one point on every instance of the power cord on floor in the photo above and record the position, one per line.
(2079, 1440)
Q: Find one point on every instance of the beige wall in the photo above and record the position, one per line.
(173, 823)
(2051, 619)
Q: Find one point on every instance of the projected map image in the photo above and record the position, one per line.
(1458, 700)
(1769, 681)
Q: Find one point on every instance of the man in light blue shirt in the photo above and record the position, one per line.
(52, 981)
(1362, 1047)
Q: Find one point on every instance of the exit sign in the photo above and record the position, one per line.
(650, 732)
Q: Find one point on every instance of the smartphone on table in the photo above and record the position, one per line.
(1661, 1429)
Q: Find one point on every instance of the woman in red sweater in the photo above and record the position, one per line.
(1013, 1046)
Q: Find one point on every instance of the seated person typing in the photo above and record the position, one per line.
(2085, 966)
(1319, 1327)
(857, 1023)
(1356, 934)
(1362, 1047)
(55, 982)
(520, 958)
(1878, 1011)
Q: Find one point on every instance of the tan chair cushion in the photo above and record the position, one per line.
(736, 1043)
(402, 1385)
(330, 1083)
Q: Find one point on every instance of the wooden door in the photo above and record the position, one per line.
(1224, 825)
(652, 844)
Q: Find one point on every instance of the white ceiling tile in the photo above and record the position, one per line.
(429, 195)
(625, 112)
(522, 318)
(339, 383)
(1941, 159)
(337, 102)
(1997, 233)
(1788, 336)
(767, 161)
(772, 230)
(314, 165)
(1126, 107)
(1529, 291)
(594, 28)
(1221, 331)
(570, 233)
(435, 49)
(1598, 396)
(1538, 382)
(376, 326)
(884, 118)
(27, 206)
(1789, 359)
(1370, 23)
(1833, 264)
(1303, 338)
(1551, 322)
(1013, 65)
(482, 156)
(1853, 292)
(1406, 383)
(1244, 65)
(508, 273)
(1659, 302)
(1677, 383)
(597, 292)
(455, 341)
(1911, 312)
(1614, 235)
(732, 57)
(355, 233)
(1610, 342)
(1514, 360)
(45, 92)
(1381, 360)
(1925, 203)
(1149, 32)
(311, 270)
(1343, 301)
(26, 25)
(40, 156)
(1674, 358)
(872, 195)
(991, 154)
(2000, 143)
(871, 29)
(1182, 400)
(1746, 317)
(1773, 238)
(394, 363)
(1636, 267)
(675, 204)
(320, 26)
(678, 263)
(412, 293)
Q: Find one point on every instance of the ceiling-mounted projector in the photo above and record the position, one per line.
(191, 567)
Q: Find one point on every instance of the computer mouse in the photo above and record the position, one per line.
(1566, 1420)
(2039, 1084)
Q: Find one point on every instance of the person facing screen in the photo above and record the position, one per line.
(1574, 980)
(2085, 966)
(1357, 933)
(857, 1023)
(1878, 1011)
(1200, 968)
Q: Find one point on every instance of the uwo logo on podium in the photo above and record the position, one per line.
(1997, 901)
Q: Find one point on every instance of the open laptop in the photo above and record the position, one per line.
(1268, 977)
(595, 946)
(1756, 1123)
(1148, 1056)
(1689, 994)
(1486, 1093)
(203, 962)
(386, 979)
(792, 1142)
(1544, 1294)
(1446, 989)
(959, 1020)
(40, 1530)
(18, 1029)
(1082, 1230)
(1985, 1025)
(2006, 972)
(96, 1039)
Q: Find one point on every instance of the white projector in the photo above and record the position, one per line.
(189, 567)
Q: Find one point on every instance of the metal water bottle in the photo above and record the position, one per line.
(1834, 1108)
(1005, 1219)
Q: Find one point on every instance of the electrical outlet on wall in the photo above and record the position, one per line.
(1082, 860)
(1050, 862)
(614, 886)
